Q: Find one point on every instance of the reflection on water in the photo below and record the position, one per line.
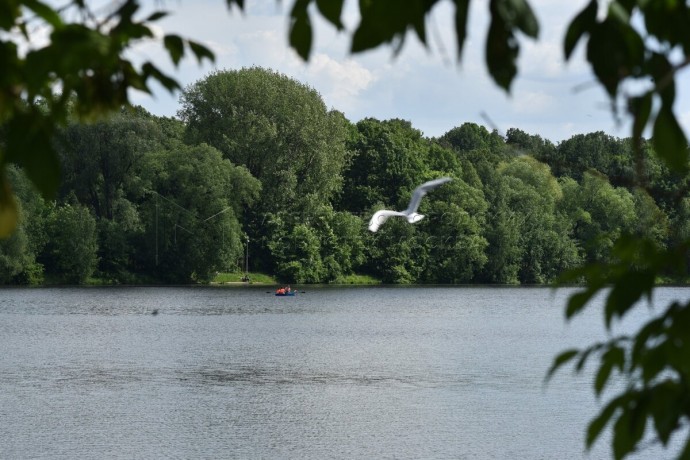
(372, 372)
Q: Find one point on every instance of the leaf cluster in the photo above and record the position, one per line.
(653, 362)
(619, 52)
(385, 22)
(79, 70)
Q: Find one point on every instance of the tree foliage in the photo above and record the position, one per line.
(196, 227)
(276, 127)
(70, 254)
(635, 49)
(85, 59)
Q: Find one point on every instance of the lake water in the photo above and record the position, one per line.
(235, 372)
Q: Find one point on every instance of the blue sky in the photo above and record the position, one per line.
(426, 86)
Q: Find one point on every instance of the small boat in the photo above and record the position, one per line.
(285, 292)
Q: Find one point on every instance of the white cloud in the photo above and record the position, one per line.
(425, 86)
(533, 102)
(341, 83)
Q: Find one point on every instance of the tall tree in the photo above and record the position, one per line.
(470, 136)
(80, 69)
(15, 257)
(71, 252)
(98, 158)
(276, 127)
(280, 130)
(600, 213)
(631, 41)
(544, 236)
(193, 231)
(388, 161)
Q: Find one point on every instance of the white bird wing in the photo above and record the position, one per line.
(380, 217)
(422, 190)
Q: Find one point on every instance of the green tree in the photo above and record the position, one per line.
(319, 248)
(388, 158)
(32, 227)
(544, 236)
(583, 152)
(99, 158)
(600, 212)
(276, 127)
(15, 257)
(192, 231)
(453, 232)
(632, 41)
(71, 252)
(470, 136)
(85, 58)
(397, 255)
(298, 255)
(541, 149)
(281, 131)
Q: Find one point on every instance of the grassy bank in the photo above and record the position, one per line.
(258, 278)
(262, 278)
(357, 279)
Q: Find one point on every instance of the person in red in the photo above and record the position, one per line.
(280, 291)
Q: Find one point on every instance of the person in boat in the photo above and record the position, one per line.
(280, 291)
(287, 289)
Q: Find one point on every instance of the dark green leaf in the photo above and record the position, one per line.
(175, 46)
(461, 10)
(560, 360)
(156, 16)
(616, 51)
(602, 377)
(640, 108)
(654, 362)
(149, 70)
(598, 424)
(629, 428)
(581, 25)
(331, 10)
(525, 19)
(201, 52)
(626, 291)
(44, 11)
(665, 408)
(501, 53)
(239, 3)
(650, 331)
(669, 140)
(613, 358)
(132, 30)
(577, 302)
(384, 21)
(127, 10)
(585, 355)
(9, 213)
(623, 442)
(662, 72)
(9, 12)
(301, 35)
(29, 145)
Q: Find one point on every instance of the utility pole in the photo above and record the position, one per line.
(246, 261)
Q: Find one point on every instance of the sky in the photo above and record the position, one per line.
(424, 85)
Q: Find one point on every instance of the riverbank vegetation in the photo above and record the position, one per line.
(255, 158)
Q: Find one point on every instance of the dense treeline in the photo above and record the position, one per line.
(257, 157)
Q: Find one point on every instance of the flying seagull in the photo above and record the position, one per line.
(411, 212)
